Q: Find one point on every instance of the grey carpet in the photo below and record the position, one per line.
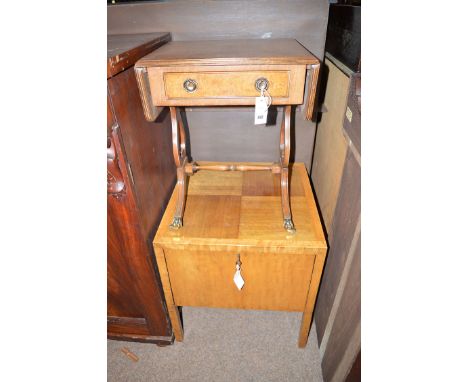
(223, 345)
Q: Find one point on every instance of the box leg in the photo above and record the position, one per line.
(311, 298)
(174, 314)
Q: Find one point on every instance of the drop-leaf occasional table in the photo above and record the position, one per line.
(228, 73)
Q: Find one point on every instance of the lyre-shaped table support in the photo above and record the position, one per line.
(185, 168)
(285, 150)
(180, 159)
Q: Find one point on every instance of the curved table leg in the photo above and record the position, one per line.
(285, 148)
(180, 159)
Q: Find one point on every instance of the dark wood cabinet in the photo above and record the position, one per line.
(140, 178)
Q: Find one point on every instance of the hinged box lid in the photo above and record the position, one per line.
(229, 210)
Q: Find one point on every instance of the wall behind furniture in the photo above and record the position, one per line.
(228, 134)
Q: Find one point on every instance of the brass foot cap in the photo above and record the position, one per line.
(176, 223)
(289, 226)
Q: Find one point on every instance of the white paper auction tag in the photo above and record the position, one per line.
(261, 110)
(238, 280)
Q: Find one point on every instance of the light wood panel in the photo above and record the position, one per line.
(311, 298)
(312, 91)
(337, 314)
(330, 144)
(210, 216)
(258, 221)
(225, 183)
(344, 230)
(173, 311)
(273, 281)
(262, 183)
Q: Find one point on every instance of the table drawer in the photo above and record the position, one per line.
(272, 281)
(199, 86)
(225, 84)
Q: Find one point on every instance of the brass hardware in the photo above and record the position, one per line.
(261, 84)
(238, 262)
(289, 225)
(190, 85)
(176, 223)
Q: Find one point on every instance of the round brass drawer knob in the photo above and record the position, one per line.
(190, 85)
(261, 84)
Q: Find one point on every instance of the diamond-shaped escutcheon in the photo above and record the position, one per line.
(238, 280)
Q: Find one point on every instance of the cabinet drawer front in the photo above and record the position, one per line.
(226, 84)
(272, 281)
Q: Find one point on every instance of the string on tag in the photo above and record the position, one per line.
(262, 94)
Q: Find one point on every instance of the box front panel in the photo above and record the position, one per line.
(275, 281)
(225, 85)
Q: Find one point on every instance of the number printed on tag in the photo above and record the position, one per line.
(261, 110)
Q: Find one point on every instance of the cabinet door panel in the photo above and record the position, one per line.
(133, 293)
